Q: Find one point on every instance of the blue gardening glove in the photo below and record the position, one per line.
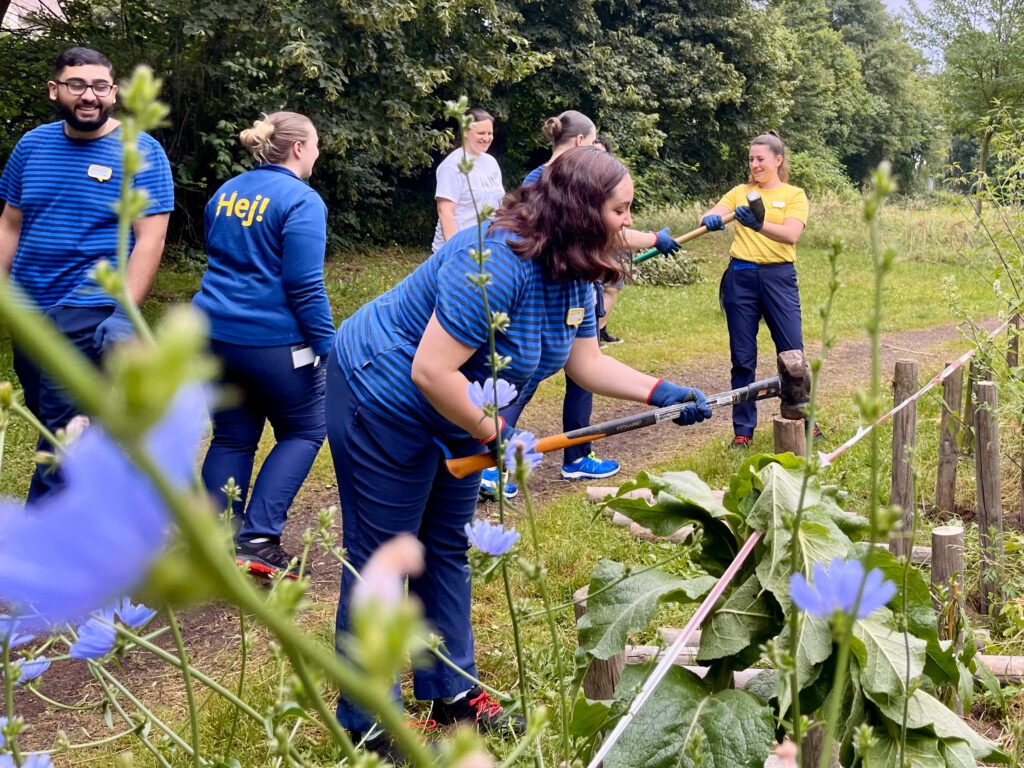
(667, 393)
(116, 328)
(713, 222)
(746, 217)
(665, 242)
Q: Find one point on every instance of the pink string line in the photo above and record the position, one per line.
(825, 459)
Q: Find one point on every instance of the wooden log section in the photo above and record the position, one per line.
(603, 674)
(790, 435)
(990, 505)
(949, 436)
(904, 440)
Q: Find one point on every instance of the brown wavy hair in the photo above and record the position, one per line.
(558, 220)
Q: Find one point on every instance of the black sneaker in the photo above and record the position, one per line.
(266, 558)
(476, 706)
(379, 744)
(606, 338)
(740, 442)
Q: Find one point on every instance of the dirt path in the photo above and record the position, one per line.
(212, 629)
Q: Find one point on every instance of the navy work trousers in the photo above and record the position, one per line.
(262, 385)
(751, 292)
(392, 480)
(47, 399)
(577, 406)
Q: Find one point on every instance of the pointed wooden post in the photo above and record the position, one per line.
(904, 440)
(990, 506)
(949, 450)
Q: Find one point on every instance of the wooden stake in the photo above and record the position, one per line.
(904, 439)
(947, 559)
(990, 509)
(790, 435)
(949, 450)
(603, 674)
(967, 422)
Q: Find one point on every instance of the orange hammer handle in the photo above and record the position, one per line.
(469, 464)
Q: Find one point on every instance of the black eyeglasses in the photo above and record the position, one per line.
(78, 87)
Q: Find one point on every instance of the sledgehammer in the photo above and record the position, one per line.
(753, 200)
(792, 386)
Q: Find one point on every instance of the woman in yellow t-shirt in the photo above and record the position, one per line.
(760, 281)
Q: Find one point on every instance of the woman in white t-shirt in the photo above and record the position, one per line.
(455, 209)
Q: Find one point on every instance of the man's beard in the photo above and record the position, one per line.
(85, 126)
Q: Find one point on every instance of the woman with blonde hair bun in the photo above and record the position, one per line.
(270, 325)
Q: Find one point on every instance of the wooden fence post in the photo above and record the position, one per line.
(904, 440)
(949, 450)
(790, 435)
(990, 508)
(1013, 343)
(967, 422)
(814, 744)
(603, 674)
(948, 574)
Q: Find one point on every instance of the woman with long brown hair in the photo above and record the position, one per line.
(398, 390)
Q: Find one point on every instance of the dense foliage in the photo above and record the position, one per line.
(679, 86)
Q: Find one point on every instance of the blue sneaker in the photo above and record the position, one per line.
(489, 485)
(589, 468)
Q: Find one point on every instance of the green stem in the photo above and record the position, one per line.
(146, 712)
(60, 705)
(186, 676)
(244, 657)
(341, 737)
(522, 475)
(12, 743)
(872, 413)
(112, 698)
(24, 413)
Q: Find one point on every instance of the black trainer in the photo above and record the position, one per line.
(478, 707)
(266, 558)
(380, 744)
(607, 338)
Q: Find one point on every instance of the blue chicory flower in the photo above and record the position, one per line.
(9, 632)
(26, 670)
(3, 724)
(491, 539)
(484, 394)
(32, 760)
(521, 445)
(50, 569)
(135, 616)
(95, 637)
(836, 590)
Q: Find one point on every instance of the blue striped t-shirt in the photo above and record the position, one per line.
(66, 189)
(376, 345)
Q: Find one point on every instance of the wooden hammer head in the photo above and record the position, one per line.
(796, 383)
(756, 204)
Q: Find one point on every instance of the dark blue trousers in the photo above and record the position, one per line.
(47, 399)
(262, 385)
(577, 406)
(392, 480)
(749, 293)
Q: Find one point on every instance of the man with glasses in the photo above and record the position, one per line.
(60, 185)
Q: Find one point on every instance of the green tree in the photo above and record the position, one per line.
(979, 45)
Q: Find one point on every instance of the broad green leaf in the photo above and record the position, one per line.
(747, 617)
(957, 754)
(814, 648)
(620, 604)
(744, 480)
(685, 725)
(921, 752)
(924, 711)
(883, 657)
(681, 498)
(588, 717)
(941, 665)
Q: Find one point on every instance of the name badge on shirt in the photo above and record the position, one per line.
(778, 204)
(574, 316)
(100, 172)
